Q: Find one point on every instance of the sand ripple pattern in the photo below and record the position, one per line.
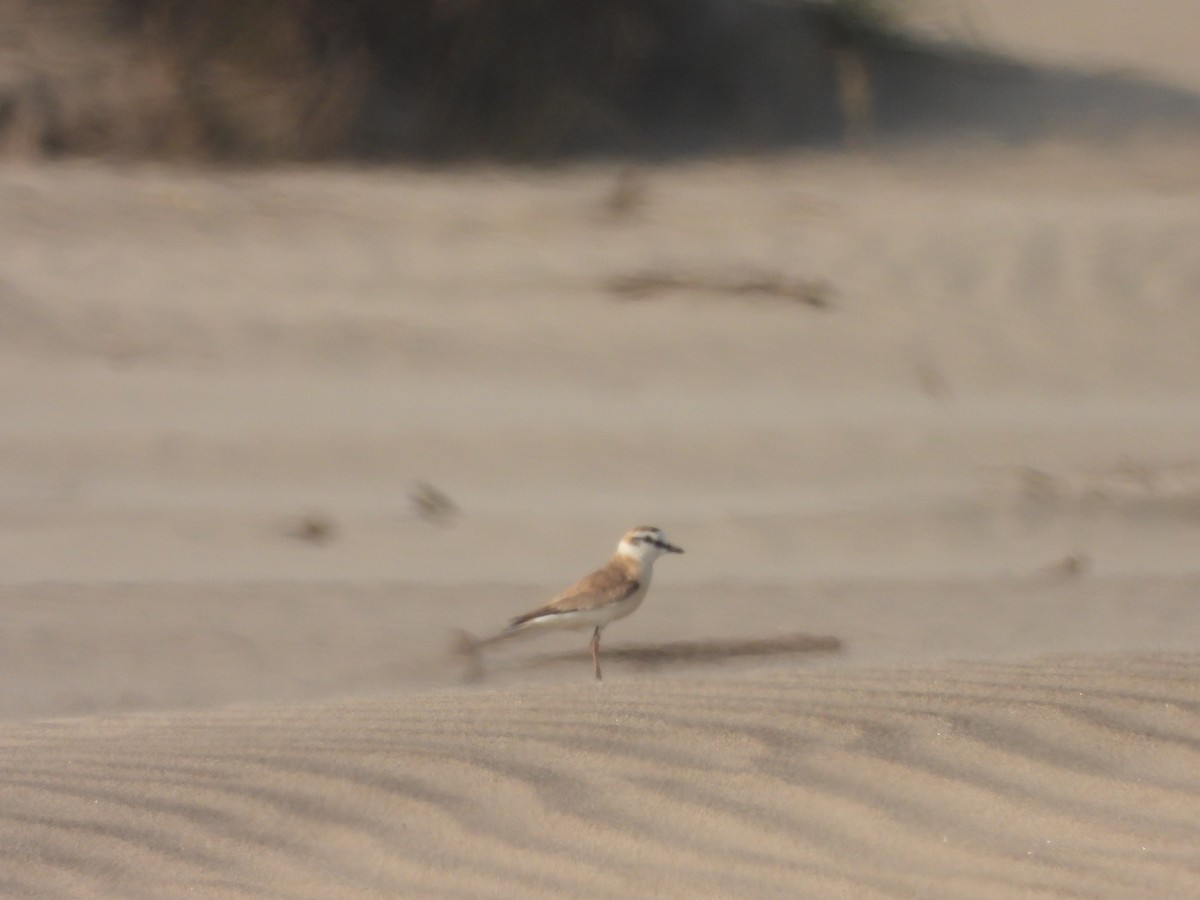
(1072, 777)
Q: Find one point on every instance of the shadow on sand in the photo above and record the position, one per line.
(654, 656)
(657, 656)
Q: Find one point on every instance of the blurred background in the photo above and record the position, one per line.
(326, 327)
(442, 81)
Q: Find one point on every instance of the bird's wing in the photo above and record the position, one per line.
(610, 584)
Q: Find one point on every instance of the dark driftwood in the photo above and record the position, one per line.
(645, 285)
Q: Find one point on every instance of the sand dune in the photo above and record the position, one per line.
(100, 649)
(983, 448)
(1071, 777)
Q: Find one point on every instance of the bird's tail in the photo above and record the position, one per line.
(466, 647)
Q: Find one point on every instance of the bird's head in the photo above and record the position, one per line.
(646, 543)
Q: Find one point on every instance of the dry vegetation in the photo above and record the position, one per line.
(306, 79)
(524, 80)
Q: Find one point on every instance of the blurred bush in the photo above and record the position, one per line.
(431, 79)
(516, 80)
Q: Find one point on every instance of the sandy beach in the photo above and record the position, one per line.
(924, 419)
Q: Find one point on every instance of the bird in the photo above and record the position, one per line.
(612, 592)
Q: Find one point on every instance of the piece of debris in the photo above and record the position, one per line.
(313, 528)
(1073, 565)
(645, 285)
(465, 648)
(627, 196)
(431, 504)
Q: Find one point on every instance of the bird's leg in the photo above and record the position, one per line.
(596, 652)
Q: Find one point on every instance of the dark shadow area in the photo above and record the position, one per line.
(655, 656)
(931, 89)
(466, 651)
(517, 80)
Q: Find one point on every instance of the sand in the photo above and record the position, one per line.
(924, 420)
(1072, 778)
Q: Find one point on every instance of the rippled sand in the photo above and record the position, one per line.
(1075, 776)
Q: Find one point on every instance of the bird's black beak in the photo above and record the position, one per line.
(671, 548)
